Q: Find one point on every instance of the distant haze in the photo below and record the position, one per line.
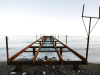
(63, 17)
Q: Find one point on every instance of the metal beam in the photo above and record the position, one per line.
(47, 47)
(47, 63)
(17, 54)
(57, 51)
(38, 51)
(49, 51)
(77, 54)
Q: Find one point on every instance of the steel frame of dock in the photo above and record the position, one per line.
(10, 61)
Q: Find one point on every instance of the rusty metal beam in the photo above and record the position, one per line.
(17, 54)
(38, 51)
(47, 47)
(77, 54)
(46, 63)
(49, 51)
(57, 51)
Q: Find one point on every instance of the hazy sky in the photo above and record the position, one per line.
(63, 17)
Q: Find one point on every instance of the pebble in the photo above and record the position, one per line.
(78, 70)
(43, 72)
(13, 73)
(53, 67)
(23, 73)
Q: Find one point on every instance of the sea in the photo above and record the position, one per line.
(77, 43)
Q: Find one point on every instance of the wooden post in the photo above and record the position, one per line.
(60, 51)
(66, 40)
(34, 49)
(7, 49)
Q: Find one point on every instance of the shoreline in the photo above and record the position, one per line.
(90, 68)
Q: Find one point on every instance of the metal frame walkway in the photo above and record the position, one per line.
(10, 61)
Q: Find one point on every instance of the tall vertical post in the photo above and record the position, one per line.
(7, 49)
(55, 35)
(88, 39)
(36, 36)
(66, 39)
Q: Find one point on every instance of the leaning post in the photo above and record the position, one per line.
(7, 49)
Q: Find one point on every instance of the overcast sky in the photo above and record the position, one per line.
(63, 17)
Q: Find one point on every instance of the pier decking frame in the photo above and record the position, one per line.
(10, 61)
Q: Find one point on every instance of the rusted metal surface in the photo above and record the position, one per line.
(38, 51)
(50, 51)
(57, 51)
(47, 63)
(35, 53)
(17, 54)
(47, 47)
(77, 54)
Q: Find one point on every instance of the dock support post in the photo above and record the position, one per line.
(42, 40)
(53, 40)
(40, 43)
(55, 43)
(7, 49)
(60, 51)
(66, 40)
(34, 51)
(76, 67)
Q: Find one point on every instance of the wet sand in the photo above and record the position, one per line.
(90, 69)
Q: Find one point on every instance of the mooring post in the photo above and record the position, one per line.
(55, 43)
(36, 36)
(66, 40)
(60, 51)
(34, 49)
(7, 49)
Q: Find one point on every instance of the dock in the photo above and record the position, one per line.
(41, 41)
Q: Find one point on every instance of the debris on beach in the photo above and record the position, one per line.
(47, 59)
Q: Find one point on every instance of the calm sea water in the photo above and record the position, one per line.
(77, 43)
